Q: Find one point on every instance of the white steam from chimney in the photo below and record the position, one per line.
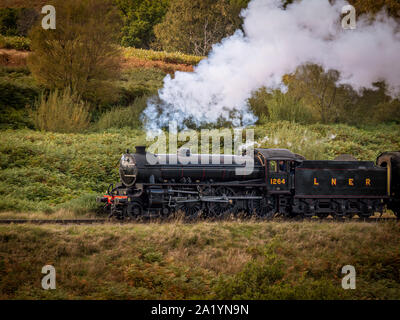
(275, 42)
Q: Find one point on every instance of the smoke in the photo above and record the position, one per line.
(274, 43)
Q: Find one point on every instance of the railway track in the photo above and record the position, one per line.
(53, 221)
(113, 221)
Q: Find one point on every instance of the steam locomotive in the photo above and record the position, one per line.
(280, 183)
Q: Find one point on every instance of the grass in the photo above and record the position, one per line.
(132, 59)
(59, 214)
(14, 42)
(43, 171)
(121, 117)
(168, 57)
(51, 171)
(139, 82)
(38, 4)
(326, 142)
(225, 260)
(18, 90)
(61, 111)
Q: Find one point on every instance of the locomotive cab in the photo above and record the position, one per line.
(278, 176)
(279, 169)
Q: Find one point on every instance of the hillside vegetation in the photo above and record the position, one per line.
(246, 260)
(44, 171)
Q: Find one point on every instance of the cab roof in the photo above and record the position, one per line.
(279, 154)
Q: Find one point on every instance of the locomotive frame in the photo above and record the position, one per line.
(282, 183)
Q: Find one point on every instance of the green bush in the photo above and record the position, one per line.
(139, 19)
(11, 118)
(169, 57)
(277, 106)
(46, 171)
(17, 21)
(295, 137)
(133, 84)
(8, 21)
(266, 280)
(121, 117)
(386, 112)
(17, 91)
(142, 81)
(15, 42)
(16, 95)
(284, 107)
(81, 52)
(61, 111)
(84, 204)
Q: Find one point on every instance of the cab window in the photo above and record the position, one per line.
(282, 166)
(272, 166)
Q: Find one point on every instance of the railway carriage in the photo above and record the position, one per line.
(280, 182)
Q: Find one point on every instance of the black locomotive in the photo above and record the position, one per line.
(280, 183)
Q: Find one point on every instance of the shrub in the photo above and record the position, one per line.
(169, 57)
(285, 107)
(15, 42)
(17, 22)
(73, 166)
(140, 17)
(294, 137)
(17, 95)
(26, 20)
(11, 118)
(61, 111)
(267, 280)
(276, 106)
(8, 21)
(386, 112)
(82, 205)
(135, 83)
(193, 26)
(81, 52)
(120, 117)
(17, 90)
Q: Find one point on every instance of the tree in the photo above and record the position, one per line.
(140, 17)
(81, 52)
(8, 21)
(374, 6)
(332, 102)
(193, 26)
(27, 18)
(319, 92)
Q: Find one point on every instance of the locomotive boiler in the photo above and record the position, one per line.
(278, 182)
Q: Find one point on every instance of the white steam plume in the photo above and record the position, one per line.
(275, 42)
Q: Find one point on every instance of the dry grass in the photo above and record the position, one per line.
(61, 111)
(169, 57)
(38, 4)
(202, 260)
(13, 58)
(133, 62)
(59, 214)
